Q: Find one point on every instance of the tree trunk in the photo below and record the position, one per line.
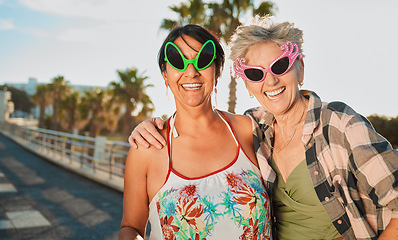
(41, 115)
(127, 122)
(71, 122)
(54, 121)
(232, 95)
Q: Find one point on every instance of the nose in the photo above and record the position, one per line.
(191, 71)
(270, 79)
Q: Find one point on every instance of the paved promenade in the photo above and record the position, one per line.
(40, 200)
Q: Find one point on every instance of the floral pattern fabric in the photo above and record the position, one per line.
(231, 204)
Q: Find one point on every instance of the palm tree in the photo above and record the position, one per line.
(42, 98)
(59, 88)
(221, 18)
(99, 110)
(130, 91)
(68, 112)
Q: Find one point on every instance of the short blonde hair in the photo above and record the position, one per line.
(262, 29)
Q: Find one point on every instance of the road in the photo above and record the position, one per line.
(40, 200)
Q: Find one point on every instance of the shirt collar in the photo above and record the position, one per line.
(312, 119)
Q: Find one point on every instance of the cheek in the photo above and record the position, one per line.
(253, 88)
(171, 75)
(210, 74)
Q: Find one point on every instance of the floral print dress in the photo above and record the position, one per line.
(231, 203)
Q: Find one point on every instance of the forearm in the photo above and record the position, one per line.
(391, 232)
(129, 233)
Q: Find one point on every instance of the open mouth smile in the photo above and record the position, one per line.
(275, 93)
(192, 86)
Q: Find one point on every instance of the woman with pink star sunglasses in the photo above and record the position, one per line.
(329, 173)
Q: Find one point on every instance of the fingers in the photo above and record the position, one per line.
(132, 142)
(158, 122)
(152, 136)
(146, 134)
(136, 139)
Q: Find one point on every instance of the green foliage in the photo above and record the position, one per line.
(42, 98)
(99, 110)
(58, 88)
(95, 111)
(68, 113)
(130, 92)
(20, 99)
(387, 127)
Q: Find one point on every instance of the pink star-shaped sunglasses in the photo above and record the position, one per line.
(278, 67)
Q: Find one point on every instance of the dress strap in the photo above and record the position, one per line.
(172, 127)
(229, 126)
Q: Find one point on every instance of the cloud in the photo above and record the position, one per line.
(6, 24)
(38, 33)
(99, 35)
(95, 9)
(101, 22)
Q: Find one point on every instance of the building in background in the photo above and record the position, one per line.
(29, 88)
(6, 106)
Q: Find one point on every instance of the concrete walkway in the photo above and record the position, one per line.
(40, 200)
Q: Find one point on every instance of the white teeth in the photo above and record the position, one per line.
(272, 94)
(192, 85)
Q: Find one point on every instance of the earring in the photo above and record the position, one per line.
(215, 95)
(251, 95)
(167, 93)
(301, 84)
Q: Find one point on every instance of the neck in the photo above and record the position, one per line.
(293, 116)
(196, 119)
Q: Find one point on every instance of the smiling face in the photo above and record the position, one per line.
(190, 87)
(277, 94)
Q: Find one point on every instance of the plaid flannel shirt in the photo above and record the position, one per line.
(352, 167)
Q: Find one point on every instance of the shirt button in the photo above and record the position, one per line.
(316, 173)
(326, 198)
(339, 222)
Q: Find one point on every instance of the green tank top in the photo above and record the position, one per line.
(298, 211)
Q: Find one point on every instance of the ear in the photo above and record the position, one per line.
(301, 72)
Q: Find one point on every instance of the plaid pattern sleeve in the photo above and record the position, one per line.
(262, 139)
(352, 167)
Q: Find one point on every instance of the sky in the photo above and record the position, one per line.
(350, 47)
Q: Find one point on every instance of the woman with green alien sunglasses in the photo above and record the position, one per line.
(196, 188)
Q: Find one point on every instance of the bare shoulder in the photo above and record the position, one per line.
(242, 126)
(144, 156)
(240, 123)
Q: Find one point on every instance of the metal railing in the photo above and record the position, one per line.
(95, 154)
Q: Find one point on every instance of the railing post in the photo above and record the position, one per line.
(99, 150)
(72, 151)
(111, 161)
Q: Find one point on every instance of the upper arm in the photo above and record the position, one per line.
(135, 197)
(374, 162)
